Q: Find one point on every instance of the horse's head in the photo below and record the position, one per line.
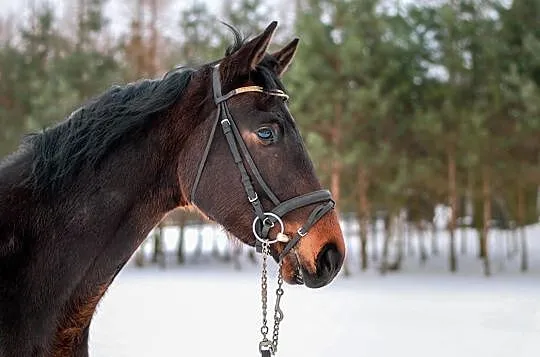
(250, 163)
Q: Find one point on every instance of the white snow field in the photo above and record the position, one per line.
(211, 309)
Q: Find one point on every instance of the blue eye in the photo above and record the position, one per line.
(265, 134)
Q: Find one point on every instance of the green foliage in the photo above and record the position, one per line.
(415, 84)
(373, 87)
(48, 75)
(199, 28)
(248, 16)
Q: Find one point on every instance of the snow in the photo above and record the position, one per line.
(207, 309)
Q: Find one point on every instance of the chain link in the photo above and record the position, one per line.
(264, 292)
(265, 343)
(278, 314)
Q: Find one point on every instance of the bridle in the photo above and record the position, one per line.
(264, 221)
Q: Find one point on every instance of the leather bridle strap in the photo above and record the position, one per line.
(247, 156)
(264, 221)
(301, 201)
(204, 159)
(315, 215)
(252, 196)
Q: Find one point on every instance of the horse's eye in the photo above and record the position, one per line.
(266, 134)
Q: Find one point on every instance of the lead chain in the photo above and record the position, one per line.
(278, 314)
(266, 344)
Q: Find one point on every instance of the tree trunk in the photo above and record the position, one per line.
(500, 239)
(180, 254)
(538, 201)
(135, 49)
(468, 212)
(374, 240)
(434, 240)
(401, 233)
(159, 255)
(364, 218)
(386, 244)
(538, 193)
(197, 253)
(463, 240)
(524, 250)
(421, 232)
(524, 266)
(511, 243)
(486, 196)
(409, 246)
(452, 198)
(151, 62)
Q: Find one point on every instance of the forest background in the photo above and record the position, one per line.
(409, 110)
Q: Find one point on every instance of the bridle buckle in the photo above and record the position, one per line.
(268, 222)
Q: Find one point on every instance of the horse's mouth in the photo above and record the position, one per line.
(298, 275)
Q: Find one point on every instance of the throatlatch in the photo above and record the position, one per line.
(264, 221)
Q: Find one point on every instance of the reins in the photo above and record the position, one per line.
(264, 221)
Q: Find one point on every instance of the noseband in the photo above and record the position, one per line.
(264, 221)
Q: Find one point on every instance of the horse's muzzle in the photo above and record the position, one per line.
(329, 262)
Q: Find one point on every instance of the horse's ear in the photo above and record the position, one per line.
(247, 57)
(285, 56)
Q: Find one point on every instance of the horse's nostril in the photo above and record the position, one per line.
(329, 261)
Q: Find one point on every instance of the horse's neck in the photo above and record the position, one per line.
(71, 247)
(137, 182)
(108, 211)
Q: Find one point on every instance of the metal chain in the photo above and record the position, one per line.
(278, 314)
(266, 344)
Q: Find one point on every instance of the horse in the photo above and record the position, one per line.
(79, 197)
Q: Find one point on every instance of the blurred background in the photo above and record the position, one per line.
(423, 117)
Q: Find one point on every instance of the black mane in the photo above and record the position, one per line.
(95, 129)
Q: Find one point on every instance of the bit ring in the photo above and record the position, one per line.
(254, 227)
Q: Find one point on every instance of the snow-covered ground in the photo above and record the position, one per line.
(211, 309)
